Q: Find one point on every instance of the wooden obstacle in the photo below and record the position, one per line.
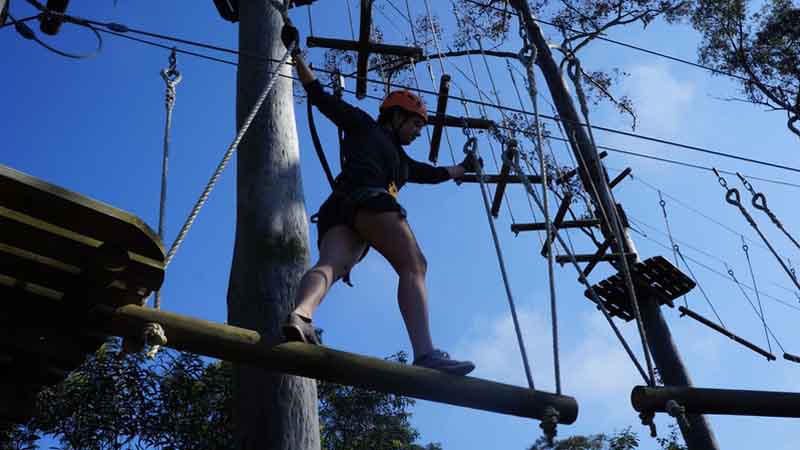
(74, 271)
(717, 401)
(61, 254)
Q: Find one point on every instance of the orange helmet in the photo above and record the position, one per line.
(407, 101)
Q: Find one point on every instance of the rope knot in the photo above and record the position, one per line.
(549, 424)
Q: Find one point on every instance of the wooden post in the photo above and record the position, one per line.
(505, 170)
(659, 338)
(364, 31)
(271, 411)
(249, 347)
(441, 109)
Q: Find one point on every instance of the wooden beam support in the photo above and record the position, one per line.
(620, 177)
(247, 347)
(540, 226)
(601, 250)
(505, 171)
(564, 259)
(571, 173)
(472, 178)
(461, 122)
(717, 401)
(560, 214)
(441, 109)
(688, 312)
(384, 49)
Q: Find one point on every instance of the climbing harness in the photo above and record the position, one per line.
(733, 197)
(760, 203)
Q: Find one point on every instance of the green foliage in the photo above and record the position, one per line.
(625, 439)
(762, 47)
(181, 402)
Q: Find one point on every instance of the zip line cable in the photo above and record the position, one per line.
(119, 28)
(677, 250)
(715, 271)
(759, 202)
(745, 249)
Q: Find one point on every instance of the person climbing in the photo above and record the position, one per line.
(363, 211)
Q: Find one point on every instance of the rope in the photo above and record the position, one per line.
(755, 310)
(746, 251)
(471, 147)
(760, 203)
(581, 277)
(227, 157)
(612, 219)
(529, 61)
(733, 197)
(699, 286)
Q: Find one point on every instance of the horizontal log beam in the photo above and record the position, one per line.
(564, 259)
(471, 178)
(247, 347)
(539, 226)
(688, 312)
(385, 49)
(461, 122)
(717, 401)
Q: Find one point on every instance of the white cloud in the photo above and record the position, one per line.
(662, 102)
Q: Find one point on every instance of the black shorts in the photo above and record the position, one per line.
(341, 209)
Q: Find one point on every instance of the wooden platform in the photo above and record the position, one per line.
(61, 254)
(655, 277)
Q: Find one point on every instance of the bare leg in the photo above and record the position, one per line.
(339, 252)
(391, 235)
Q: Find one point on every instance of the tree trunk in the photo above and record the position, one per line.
(270, 410)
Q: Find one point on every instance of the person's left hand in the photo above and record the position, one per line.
(290, 35)
(471, 163)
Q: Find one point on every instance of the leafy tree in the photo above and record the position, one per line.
(625, 439)
(178, 401)
(761, 47)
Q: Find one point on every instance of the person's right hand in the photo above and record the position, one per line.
(290, 35)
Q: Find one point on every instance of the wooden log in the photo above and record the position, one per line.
(364, 31)
(540, 226)
(472, 178)
(717, 401)
(505, 171)
(385, 49)
(461, 122)
(246, 346)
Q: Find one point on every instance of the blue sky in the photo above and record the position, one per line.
(95, 127)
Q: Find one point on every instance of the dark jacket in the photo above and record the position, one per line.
(373, 157)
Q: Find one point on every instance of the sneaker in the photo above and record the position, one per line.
(439, 360)
(299, 329)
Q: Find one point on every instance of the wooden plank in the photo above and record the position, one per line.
(540, 226)
(50, 241)
(247, 347)
(23, 265)
(58, 346)
(77, 213)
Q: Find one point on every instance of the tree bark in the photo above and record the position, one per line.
(270, 410)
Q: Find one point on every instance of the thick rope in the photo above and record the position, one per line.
(733, 197)
(227, 157)
(471, 147)
(760, 203)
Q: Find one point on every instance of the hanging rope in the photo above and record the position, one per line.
(677, 249)
(228, 155)
(529, 60)
(733, 197)
(471, 148)
(746, 251)
(760, 203)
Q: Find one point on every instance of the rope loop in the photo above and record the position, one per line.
(762, 205)
(733, 197)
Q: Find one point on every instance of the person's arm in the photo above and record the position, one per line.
(303, 71)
